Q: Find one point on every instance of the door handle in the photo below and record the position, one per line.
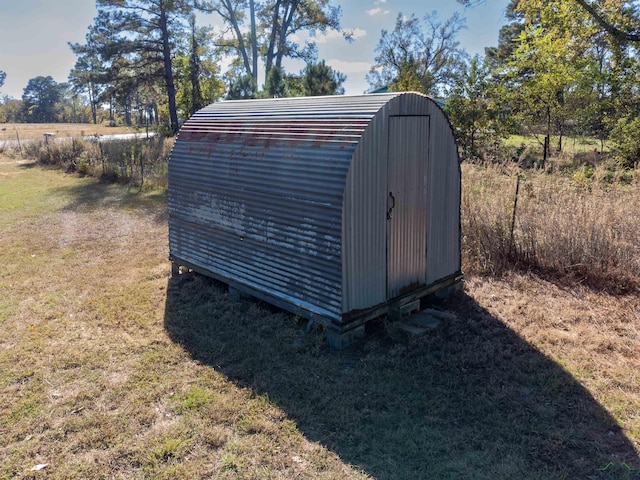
(391, 203)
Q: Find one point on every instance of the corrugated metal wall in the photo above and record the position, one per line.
(407, 161)
(289, 197)
(443, 226)
(256, 192)
(365, 205)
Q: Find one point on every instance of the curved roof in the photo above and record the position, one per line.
(257, 190)
(330, 118)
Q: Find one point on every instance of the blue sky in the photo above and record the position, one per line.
(34, 35)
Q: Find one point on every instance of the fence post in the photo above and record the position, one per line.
(513, 215)
(19, 144)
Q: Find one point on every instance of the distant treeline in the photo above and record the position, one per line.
(562, 68)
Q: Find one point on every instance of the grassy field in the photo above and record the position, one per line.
(36, 131)
(575, 228)
(570, 145)
(109, 368)
(135, 161)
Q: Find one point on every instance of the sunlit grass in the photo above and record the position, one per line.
(35, 131)
(110, 369)
(570, 145)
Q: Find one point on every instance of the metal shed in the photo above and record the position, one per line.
(336, 208)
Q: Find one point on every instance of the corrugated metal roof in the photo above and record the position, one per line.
(256, 189)
(257, 196)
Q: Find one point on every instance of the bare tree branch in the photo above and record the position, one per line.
(608, 26)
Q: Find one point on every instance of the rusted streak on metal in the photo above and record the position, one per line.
(288, 197)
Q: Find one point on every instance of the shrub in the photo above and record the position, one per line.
(624, 137)
(134, 161)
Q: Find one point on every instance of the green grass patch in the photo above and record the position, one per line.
(195, 399)
(27, 191)
(570, 145)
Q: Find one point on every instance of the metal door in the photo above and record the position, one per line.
(407, 203)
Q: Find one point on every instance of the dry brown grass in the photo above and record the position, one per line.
(568, 281)
(36, 131)
(90, 382)
(593, 335)
(136, 161)
(572, 229)
(110, 369)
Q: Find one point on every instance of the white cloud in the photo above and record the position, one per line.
(356, 33)
(377, 11)
(299, 39)
(329, 35)
(378, 2)
(335, 34)
(349, 68)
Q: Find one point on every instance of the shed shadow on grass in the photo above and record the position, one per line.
(470, 399)
(96, 194)
(28, 165)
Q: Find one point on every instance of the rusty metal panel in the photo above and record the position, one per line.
(256, 191)
(289, 197)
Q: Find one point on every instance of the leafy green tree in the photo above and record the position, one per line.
(474, 110)
(197, 72)
(241, 87)
(89, 74)
(294, 85)
(264, 28)
(600, 11)
(234, 14)
(593, 100)
(625, 31)
(624, 137)
(508, 36)
(276, 84)
(195, 68)
(606, 73)
(428, 55)
(124, 81)
(409, 78)
(142, 32)
(40, 100)
(72, 106)
(541, 75)
(3, 77)
(11, 110)
(209, 87)
(320, 79)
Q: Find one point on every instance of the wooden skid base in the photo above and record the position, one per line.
(339, 340)
(340, 334)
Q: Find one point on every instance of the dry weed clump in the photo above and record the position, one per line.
(576, 229)
(137, 161)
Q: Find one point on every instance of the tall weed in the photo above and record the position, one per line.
(573, 229)
(137, 161)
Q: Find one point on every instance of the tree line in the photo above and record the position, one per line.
(151, 63)
(560, 68)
